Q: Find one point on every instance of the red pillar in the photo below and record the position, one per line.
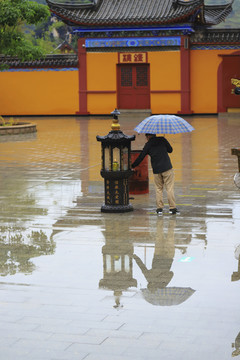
(82, 59)
(185, 76)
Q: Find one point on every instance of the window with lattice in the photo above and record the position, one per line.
(126, 76)
(142, 76)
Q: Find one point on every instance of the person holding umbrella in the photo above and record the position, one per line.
(158, 148)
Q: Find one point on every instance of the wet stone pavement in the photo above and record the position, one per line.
(80, 284)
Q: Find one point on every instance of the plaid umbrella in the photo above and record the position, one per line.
(163, 124)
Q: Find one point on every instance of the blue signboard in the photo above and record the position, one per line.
(133, 42)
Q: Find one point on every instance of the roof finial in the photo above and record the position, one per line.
(115, 124)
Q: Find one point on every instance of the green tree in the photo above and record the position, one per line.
(14, 15)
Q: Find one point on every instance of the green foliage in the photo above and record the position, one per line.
(18, 247)
(10, 122)
(13, 15)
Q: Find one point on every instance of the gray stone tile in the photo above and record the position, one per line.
(98, 339)
(110, 357)
(9, 327)
(114, 333)
(99, 324)
(77, 330)
(47, 345)
(23, 334)
(46, 354)
(39, 320)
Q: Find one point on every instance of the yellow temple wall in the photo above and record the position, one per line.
(101, 82)
(164, 77)
(56, 91)
(207, 166)
(204, 82)
(39, 92)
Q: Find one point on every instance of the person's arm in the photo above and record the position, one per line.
(141, 156)
(142, 266)
(168, 146)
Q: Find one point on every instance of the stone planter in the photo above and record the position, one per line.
(20, 128)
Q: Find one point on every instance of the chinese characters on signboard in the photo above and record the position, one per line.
(133, 58)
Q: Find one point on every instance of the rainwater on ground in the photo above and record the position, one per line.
(76, 283)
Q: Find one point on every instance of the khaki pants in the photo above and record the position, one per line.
(165, 179)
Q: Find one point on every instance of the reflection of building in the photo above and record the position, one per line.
(117, 259)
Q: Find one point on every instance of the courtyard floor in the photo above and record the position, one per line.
(80, 284)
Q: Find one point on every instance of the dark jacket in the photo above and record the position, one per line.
(157, 148)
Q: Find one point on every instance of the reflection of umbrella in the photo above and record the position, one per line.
(167, 296)
(237, 252)
(163, 124)
(237, 179)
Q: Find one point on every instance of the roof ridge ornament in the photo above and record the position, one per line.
(222, 4)
(74, 4)
(176, 3)
(115, 125)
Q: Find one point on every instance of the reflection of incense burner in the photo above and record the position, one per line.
(117, 269)
(117, 258)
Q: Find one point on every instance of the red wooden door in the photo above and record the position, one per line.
(133, 86)
(231, 75)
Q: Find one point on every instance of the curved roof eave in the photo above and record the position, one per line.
(140, 12)
(128, 22)
(214, 15)
(131, 12)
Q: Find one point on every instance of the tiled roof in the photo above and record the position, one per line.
(136, 12)
(127, 12)
(50, 61)
(214, 15)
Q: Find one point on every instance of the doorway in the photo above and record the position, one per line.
(228, 80)
(133, 86)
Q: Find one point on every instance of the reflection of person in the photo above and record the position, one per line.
(236, 352)
(158, 148)
(236, 274)
(160, 275)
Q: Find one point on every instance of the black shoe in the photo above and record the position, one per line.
(159, 211)
(174, 211)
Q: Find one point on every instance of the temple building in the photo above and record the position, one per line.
(161, 55)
